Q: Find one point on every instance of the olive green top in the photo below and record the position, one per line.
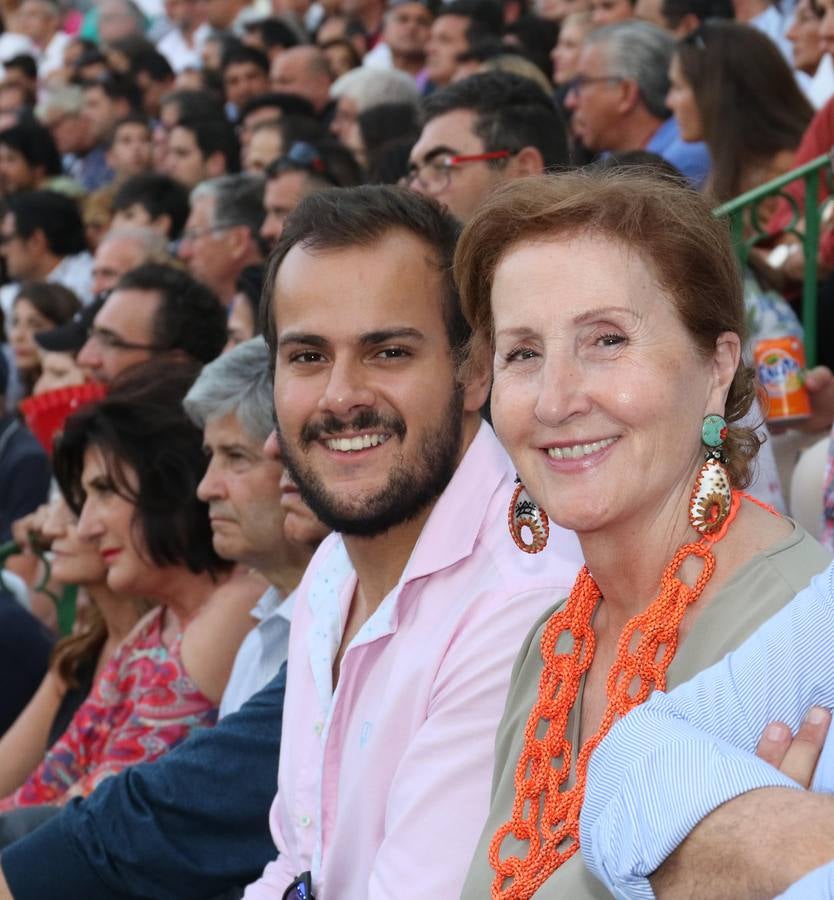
(759, 588)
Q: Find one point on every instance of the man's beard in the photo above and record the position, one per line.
(409, 489)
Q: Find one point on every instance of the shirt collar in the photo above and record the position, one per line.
(454, 524)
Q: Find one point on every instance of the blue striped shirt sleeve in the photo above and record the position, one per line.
(681, 755)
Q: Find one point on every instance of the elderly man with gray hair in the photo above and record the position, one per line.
(360, 90)
(251, 524)
(618, 97)
(221, 235)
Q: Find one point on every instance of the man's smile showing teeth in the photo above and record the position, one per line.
(577, 451)
(362, 442)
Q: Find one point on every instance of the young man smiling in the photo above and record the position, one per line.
(407, 622)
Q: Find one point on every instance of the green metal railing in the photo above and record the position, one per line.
(64, 603)
(747, 231)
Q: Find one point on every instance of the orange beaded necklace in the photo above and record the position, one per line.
(543, 814)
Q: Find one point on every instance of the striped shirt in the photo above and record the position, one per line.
(681, 755)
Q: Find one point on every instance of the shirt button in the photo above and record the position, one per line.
(305, 821)
(318, 727)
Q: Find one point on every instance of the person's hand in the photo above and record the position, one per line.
(796, 756)
(820, 384)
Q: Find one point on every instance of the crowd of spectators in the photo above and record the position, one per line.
(258, 261)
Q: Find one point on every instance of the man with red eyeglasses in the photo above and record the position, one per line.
(479, 133)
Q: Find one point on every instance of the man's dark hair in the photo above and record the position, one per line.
(330, 165)
(35, 144)
(141, 426)
(242, 53)
(511, 112)
(214, 136)
(361, 217)
(485, 17)
(153, 64)
(195, 104)
(159, 195)
(117, 87)
(536, 37)
(674, 11)
(56, 215)
(190, 317)
(273, 33)
(24, 63)
(133, 118)
(288, 104)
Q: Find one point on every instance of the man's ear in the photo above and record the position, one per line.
(629, 95)
(528, 161)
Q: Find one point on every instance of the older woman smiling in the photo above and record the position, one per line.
(612, 306)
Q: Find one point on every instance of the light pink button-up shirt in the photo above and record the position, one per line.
(383, 785)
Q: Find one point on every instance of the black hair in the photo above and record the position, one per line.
(141, 426)
(250, 283)
(56, 215)
(537, 37)
(195, 104)
(159, 195)
(390, 162)
(674, 11)
(25, 63)
(153, 64)
(485, 17)
(361, 217)
(386, 121)
(190, 317)
(288, 104)
(242, 53)
(511, 112)
(133, 118)
(336, 165)
(214, 136)
(273, 32)
(117, 87)
(35, 144)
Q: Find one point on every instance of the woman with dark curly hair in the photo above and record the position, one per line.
(129, 467)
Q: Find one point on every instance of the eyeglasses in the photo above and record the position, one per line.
(7, 239)
(436, 173)
(105, 338)
(578, 84)
(300, 889)
(193, 234)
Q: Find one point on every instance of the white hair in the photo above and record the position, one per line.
(371, 87)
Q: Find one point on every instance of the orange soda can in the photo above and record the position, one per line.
(780, 367)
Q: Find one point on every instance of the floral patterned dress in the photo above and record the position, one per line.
(142, 704)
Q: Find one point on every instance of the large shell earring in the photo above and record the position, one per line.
(712, 495)
(523, 518)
